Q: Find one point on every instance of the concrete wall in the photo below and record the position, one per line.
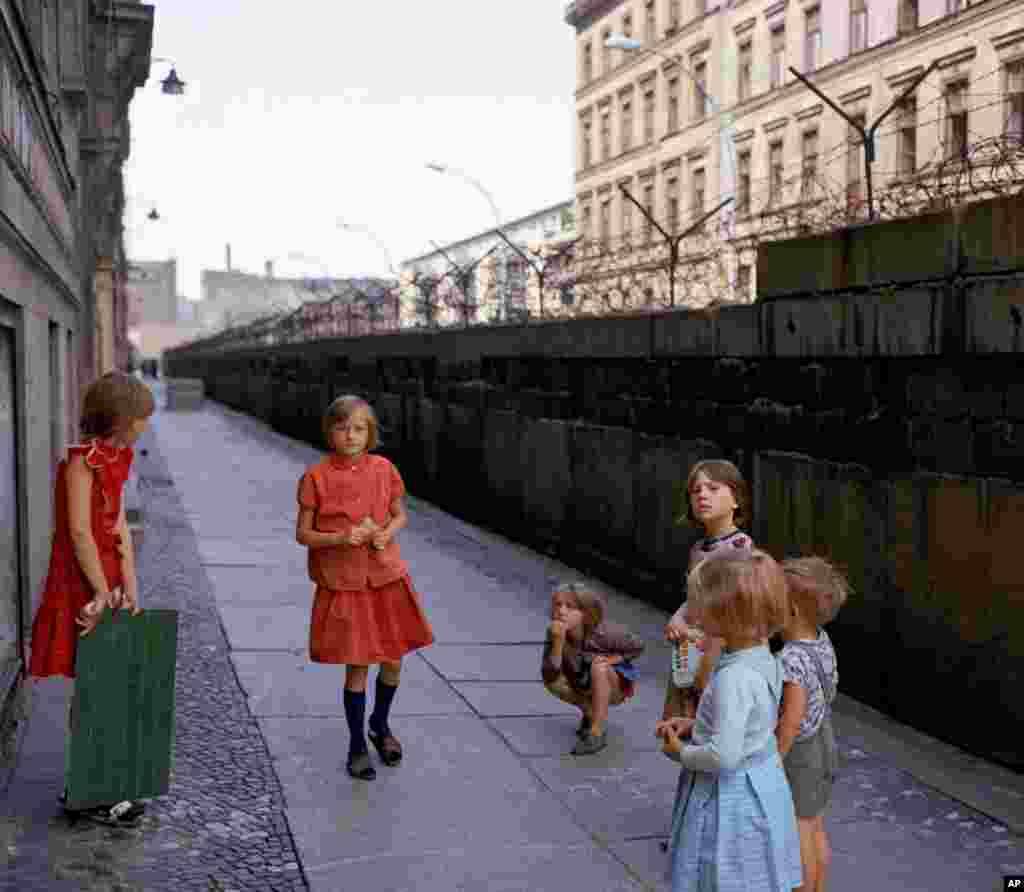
(884, 429)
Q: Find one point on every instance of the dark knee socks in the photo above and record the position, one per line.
(383, 695)
(355, 714)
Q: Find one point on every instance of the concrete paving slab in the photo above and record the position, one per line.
(453, 760)
(517, 698)
(488, 662)
(616, 794)
(285, 684)
(646, 859)
(239, 586)
(251, 553)
(885, 856)
(556, 735)
(266, 627)
(539, 868)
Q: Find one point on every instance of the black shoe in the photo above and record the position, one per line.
(360, 767)
(590, 743)
(387, 746)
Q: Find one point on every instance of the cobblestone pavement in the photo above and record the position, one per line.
(221, 826)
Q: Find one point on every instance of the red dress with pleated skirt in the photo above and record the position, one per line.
(67, 591)
(365, 610)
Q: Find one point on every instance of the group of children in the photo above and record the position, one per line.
(752, 731)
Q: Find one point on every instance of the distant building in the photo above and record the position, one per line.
(487, 280)
(152, 291)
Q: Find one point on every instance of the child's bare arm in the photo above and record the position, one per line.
(708, 661)
(396, 521)
(794, 707)
(79, 476)
(306, 535)
(131, 582)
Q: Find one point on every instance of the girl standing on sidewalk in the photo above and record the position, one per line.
(718, 500)
(92, 561)
(811, 680)
(365, 610)
(733, 825)
(587, 661)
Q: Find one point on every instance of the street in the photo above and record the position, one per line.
(486, 797)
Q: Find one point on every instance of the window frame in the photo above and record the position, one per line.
(1012, 98)
(745, 70)
(812, 64)
(858, 10)
(960, 88)
(777, 58)
(809, 162)
(743, 164)
(776, 183)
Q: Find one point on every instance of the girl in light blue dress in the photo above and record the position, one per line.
(733, 826)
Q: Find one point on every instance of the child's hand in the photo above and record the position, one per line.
(676, 630)
(358, 535)
(558, 630)
(603, 660)
(380, 539)
(90, 614)
(672, 744)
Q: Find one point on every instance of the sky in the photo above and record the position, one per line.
(297, 115)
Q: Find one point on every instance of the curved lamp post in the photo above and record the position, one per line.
(172, 85)
(631, 44)
(373, 237)
(437, 167)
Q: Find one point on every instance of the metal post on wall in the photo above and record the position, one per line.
(868, 135)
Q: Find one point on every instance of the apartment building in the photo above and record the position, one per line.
(706, 107)
(483, 278)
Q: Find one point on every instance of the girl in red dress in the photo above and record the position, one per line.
(365, 610)
(92, 562)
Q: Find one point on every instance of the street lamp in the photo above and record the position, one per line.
(372, 236)
(172, 85)
(631, 44)
(438, 167)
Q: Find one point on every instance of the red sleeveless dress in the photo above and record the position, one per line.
(54, 633)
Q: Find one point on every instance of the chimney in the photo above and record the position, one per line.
(227, 256)
(269, 266)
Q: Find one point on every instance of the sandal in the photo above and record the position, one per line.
(123, 814)
(387, 746)
(360, 767)
(590, 743)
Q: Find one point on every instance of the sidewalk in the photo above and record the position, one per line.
(486, 798)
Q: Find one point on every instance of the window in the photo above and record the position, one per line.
(743, 183)
(1014, 91)
(674, 15)
(699, 183)
(649, 115)
(627, 25)
(606, 134)
(775, 172)
(586, 223)
(606, 220)
(858, 25)
(588, 157)
(906, 163)
(777, 71)
(516, 276)
(588, 63)
(673, 104)
(956, 120)
(649, 207)
(700, 7)
(812, 39)
(606, 53)
(743, 279)
(700, 91)
(651, 22)
(854, 166)
(808, 163)
(909, 15)
(744, 72)
(626, 136)
(954, 6)
(627, 218)
(672, 204)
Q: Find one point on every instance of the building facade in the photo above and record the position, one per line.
(68, 69)
(152, 291)
(707, 109)
(487, 278)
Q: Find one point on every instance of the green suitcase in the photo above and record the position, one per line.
(123, 709)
